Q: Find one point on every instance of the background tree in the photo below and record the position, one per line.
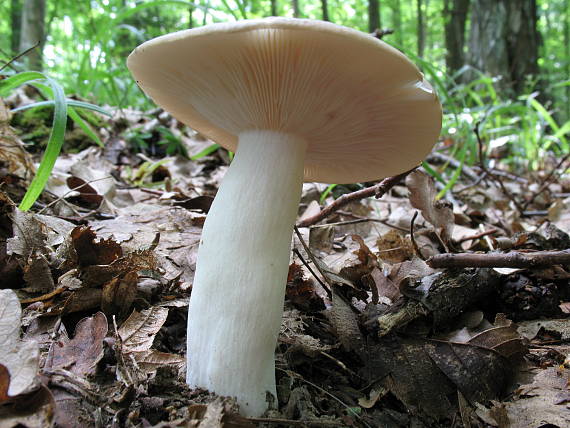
(296, 9)
(421, 28)
(374, 21)
(455, 17)
(504, 41)
(15, 25)
(325, 10)
(32, 32)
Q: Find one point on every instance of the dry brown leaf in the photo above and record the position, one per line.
(344, 322)
(217, 414)
(92, 252)
(30, 234)
(542, 402)
(151, 360)
(138, 331)
(80, 354)
(119, 294)
(423, 197)
(19, 357)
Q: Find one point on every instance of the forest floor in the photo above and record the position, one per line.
(401, 311)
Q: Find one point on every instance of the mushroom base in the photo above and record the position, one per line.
(237, 296)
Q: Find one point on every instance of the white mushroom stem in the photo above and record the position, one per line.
(237, 296)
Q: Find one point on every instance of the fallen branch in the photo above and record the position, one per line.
(377, 191)
(512, 259)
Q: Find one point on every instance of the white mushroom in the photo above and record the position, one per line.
(296, 100)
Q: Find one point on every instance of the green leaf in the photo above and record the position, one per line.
(6, 85)
(208, 150)
(53, 147)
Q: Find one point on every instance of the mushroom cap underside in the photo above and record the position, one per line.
(363, 108)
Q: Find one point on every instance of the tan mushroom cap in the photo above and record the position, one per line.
(364, 109)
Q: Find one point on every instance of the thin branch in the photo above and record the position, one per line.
(545, 182)
(512, 259)
(310, 254)
(21, 54)
(377, 191)
(414, 243)
(478, 235)
(492, 175)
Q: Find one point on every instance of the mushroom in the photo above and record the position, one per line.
(296, 100)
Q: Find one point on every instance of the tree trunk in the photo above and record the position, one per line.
(296, 9)
(455, 16)
(567, 44)
(524, 41)
(33, 32)
(15, 24)
(504, 41)
(397, 22)
(325, 9)
(421, 28)
(274, 8)
(191, 17)
(374, 21)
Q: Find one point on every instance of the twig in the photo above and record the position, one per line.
(377, 191)
(379, 33)
(291, 422)
(490, 174)
(545, 182)
(512, 259)
(21, 54)
(477, 235)
(414, 243)
(308, 266)
(306, 247)
(437, 157)
(324, 391)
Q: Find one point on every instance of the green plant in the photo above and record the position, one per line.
(62, 108)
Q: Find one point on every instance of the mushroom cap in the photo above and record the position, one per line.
(363, 108)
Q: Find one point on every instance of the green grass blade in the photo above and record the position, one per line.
(6, 85)
(71, 103)
(52, 150)
(326, 192)
(84, 126)
(208, 150)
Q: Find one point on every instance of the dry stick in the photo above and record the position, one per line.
(513, 259)
(377, 191)
(478, 235)
(545, 182)
(489, 173)
(292, 422)
(306, 247)
(21, 54)
(414, 243)
(308, 266)
(437, 157)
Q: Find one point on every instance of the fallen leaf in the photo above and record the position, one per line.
(80, 354)
(19, 357)
(92, 252)
(138, 331)
(423, 197)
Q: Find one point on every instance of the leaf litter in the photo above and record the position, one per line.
(371, 335)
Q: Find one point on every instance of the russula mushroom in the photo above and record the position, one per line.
(296, 100)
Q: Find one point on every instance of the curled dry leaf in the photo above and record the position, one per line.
(423, 197)
(137, 335)
(92, 252)
(138, 331)
(19, 357)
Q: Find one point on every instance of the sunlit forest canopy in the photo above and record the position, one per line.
(489, 60)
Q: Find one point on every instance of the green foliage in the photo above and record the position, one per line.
(88, 44)
(51, 89)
